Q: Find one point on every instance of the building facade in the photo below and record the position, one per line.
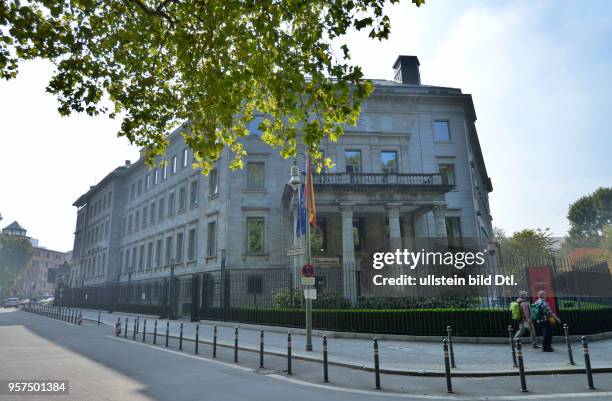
(411, 168)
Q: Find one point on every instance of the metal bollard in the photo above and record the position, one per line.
(288, 353)
(569, 344)
(376, 365)
(155, 333)
(236, 345)
(98, 318)
(197, 339)
(587, 362)
(126, 327)
(181, 338)
(511, 337)
(447, 368)
(519, 355)
(134, 331)
(214, 350)
(167, 332)
(144, 330)
(325, 375)
(449, 331)
(137, 324)
(261, 349)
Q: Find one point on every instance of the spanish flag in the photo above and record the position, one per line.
(312, 209)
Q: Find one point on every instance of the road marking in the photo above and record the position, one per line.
(370, 392)
(199, 358)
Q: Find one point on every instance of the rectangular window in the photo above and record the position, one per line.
(174, 164)
(133, 267)
(441, 131)
(255, 175)
(141, 258)
(158, 253)
(132, 191)
(184, 157)
(160, 209)
(152, 213)
(191, 244)
(127, 261)
(144, 217)
(155, 176)
(211, 243)
(179, 247)
(213, 182)
(194, 193)
(447, 171)
(171, 204)
(165, 172)
(353, 161)
(254, 284)
(139, 187)
(147, 181)
(149, 255)
(130, 224)
(168, 250)
(121, 262)
(137, 221)
(182, 197)
(388, 160)
(255, 234)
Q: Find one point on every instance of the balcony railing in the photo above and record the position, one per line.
(377, 179)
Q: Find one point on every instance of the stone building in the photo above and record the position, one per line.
(411, 168)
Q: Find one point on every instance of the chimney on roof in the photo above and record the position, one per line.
(127, 162)
(406, 69)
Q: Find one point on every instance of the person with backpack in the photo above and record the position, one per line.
(546, 318)
(521, 311)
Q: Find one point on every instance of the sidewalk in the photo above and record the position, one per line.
(398, 357)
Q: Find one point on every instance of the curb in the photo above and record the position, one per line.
(424, 373)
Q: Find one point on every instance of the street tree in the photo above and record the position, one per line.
(203, 66)
(15, 260)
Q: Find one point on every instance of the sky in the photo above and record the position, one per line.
(538, 71)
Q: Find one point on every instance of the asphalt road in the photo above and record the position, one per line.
(100, 366)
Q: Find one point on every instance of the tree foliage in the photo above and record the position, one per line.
(588, 217)
(528, 243)
(15, 260)
(204, 65)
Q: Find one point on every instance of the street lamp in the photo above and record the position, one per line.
(294, 183)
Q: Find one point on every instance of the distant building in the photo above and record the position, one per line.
(36, 280)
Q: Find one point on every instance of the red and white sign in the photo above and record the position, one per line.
(541, 279)
(308, 270)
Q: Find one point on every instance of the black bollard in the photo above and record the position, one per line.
(214, 350)
(325, 376)
(236, 345)
(519, 355)
(288, 353)
(447, 368)
(167, 332)
(511, 338)
(587, 362)
(197, 339)
(134, 331)
(181, 338)
(98, 318)
(569, 344)
(137, 324)
(155, 333)
(261, 349)
(126, 327)
(144, 330)
(376, 365)
(449, 331)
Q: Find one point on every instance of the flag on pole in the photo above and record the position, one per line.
(310, 198)
(300, 227)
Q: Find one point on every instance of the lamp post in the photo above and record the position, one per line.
(295, 183)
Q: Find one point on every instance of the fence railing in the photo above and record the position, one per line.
(377, 179)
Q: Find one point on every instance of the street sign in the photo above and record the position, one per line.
(310, 293)
(321, 261)
(296, 251)
(308, 270)
(308, 280)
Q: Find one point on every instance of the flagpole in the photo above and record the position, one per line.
(308, 254)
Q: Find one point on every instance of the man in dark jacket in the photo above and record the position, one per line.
(546, 321)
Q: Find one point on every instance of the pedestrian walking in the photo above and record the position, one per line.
(546, 318)
(521, 311)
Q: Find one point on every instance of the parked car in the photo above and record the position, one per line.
(11, 303)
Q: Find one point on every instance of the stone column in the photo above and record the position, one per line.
(395, 236)
(349, 278)
(439, 213)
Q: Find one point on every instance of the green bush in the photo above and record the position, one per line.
(421, 302)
